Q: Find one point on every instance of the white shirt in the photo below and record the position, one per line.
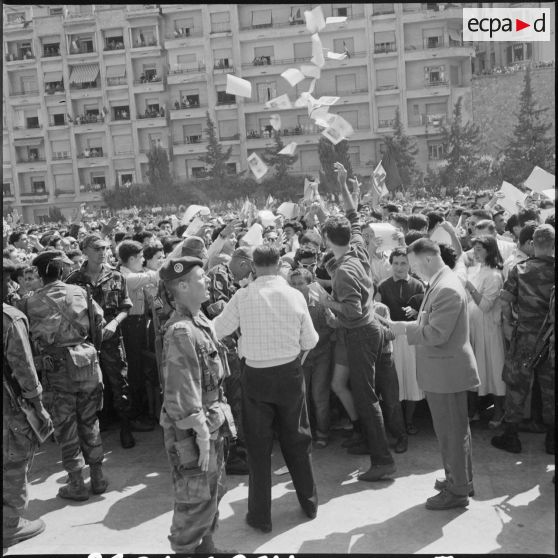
(275, 325)
(135, 282)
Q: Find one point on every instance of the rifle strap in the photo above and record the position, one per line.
(79, 327)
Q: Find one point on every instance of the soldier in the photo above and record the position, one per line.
(528, 287)
(194, 409)
(61, 333)
(109, 291)
(18, 441)
(224, 281)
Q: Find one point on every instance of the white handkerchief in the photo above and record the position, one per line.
(315, 20)
(238, 86)
(288, 149)
(336, 56)
(339, 19)
(257, 166)
(275, 121)
(293, 76)
(281, 102)
(511, 196)
(309, 70)
(317, 51)
(328, 100)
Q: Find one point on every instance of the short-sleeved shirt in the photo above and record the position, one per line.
(109, 292)
(397, 293)
(528, 288)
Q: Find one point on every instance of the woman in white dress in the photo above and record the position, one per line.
(485, 320)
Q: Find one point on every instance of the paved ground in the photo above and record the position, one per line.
(513, 510)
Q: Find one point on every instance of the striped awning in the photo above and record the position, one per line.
(116, 71)
(84, 73)
(53, 77)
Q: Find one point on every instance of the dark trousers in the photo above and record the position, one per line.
(364, 345)
(112, 359)
(134, 335)
(276, 396)
(451, 425)
(387, 386)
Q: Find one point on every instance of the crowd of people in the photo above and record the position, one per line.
(247, 330)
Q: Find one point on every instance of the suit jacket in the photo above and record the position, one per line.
(445, 359)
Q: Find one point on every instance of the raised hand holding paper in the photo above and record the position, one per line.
(238, 86)
(257, 166)
(293, 76)
(279, 103)
(288, 149)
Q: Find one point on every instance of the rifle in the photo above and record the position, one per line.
(542, 345)
(19, 403)
(93, 333)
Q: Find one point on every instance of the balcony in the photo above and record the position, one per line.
(29, 93)
(87, 51)
(26, 159)
(186, 74)
(143, 152)
(18, 23)
(91, 153)
(140, 10)
(54, 89)
(145, 86)
(52, 52)
(386, 123)
(113, 47)
(61, 156)
(220, 28)
(96, 158)
(85, 15)
(20, 57)
(229, 138)
(27, 132)
(175, 8)
(189, 145)
(140, 50)
(116, 81)
(438, 87)
(383, 10)
(185, 38)
(192, 111)
(33, 197)
(441, 49)
(426, 123)
(83, 124)
(224, 67)
(424, 14)
(151, 121)
(385, 48)
(386, 89)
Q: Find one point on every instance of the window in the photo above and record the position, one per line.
(91, 110)
(345, 84)
(263, 55)
(122, 144)
(266, 91)
(187, 60)
(32, 153)
(228, 129)
(60, 149)
(262, 18)
(354, 155)
(154, 140)
(454, 75)
(351, 116)
(33, 122)
(433, 38)
(126, 178)
(344, 45)
(224, 98)
(15, 17)
(51, 49)
(302, 51)
(192, 133)
(152, 105)
(64, 183)
(122, 112)
(221, 58)
(198, 172)
(384, 41)
(518, 52)
(416, 110)
(38, 186)
(59, 119)
(341, 12)
(183, 27)
(435, 75)
(114, 41)
(98, 182)
(6, 189)
(386, 116)
(379, 9)
(59, 10)
(188, 98)
(231, 168)
(435, 151)
(220, 22)
(386, 79)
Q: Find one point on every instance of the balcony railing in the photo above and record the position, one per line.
(434, 120)
(79, 15)
(146, 81)
(189, 139)
(185, 33)
(386, 123)
(145, 44)
(226, 102)
(441, 44)
(22, 93)
(382, 48)
(81, 86)
(40, 159)
(88, 188)
(220, 27)
(44, 193)
(386, 87)
(59, 155)
(7, 194)
(183, 106)
(82, 50)
(148, 116)
(117, 81)
(176, 71)
(437, 83)
(148, 149)
(53, 90)
(93, 153)
(229, 138)
(89, 119)
(223, 67)
(286, 61)
(51, 53)
(118, 46)
(120, 117)
(11, 57)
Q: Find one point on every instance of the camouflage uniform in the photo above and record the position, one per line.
(73, 373)
(528, 288)
(111, 294)
(221, 290)
(18, 441)
(192, 372)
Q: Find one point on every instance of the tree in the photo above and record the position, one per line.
(158, 170)
(280, 163)
(403, 149)
(329, 154)
(215, 158)
(461, 148)
(530, 145)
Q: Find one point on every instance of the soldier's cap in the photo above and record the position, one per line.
(193, 246)
(44, 258)
(94, 241)
(175, 268)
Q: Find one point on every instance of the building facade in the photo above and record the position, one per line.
(88, 89)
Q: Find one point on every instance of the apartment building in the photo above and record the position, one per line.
(88, 89)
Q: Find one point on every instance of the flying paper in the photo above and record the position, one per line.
(312, 86)
(193, 227)
(257, 166)
(317, 51)
(192, 211)
(327, 100)
(511, 196)
(281, 102)
(288, 149)
(339, 19)
(293, 76)
(321, 116)
(338, 129)
(254, 235)
(336, 56)
(267, 217)
(289, 210)
(238, 86)
(315, 20)
(309, 70)
(540, 180)
(275, 121)
(385, 231)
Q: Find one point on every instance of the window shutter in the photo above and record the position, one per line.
(122, 144)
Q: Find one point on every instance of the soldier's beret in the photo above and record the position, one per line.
(94, 240)
(175, 268)
(193, 246)
(44, 258)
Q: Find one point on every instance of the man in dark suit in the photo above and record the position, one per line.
(446, 369)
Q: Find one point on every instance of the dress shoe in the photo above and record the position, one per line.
(139, 425)
(445, 500)
(355, 439)
(98, 482)
(126, 439)
(75, 489)
(21, 531)
(442, 484)
(264, 527)
(310, 509)
(236, 465)
(360, 449)
(507, 442)
(401, 444)
(377, 472)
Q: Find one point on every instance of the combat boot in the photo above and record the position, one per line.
(207, 546)
(509, 440)
(126, 439)
(98, 482)
(75, 490)
(18, 529)
(550, 441)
